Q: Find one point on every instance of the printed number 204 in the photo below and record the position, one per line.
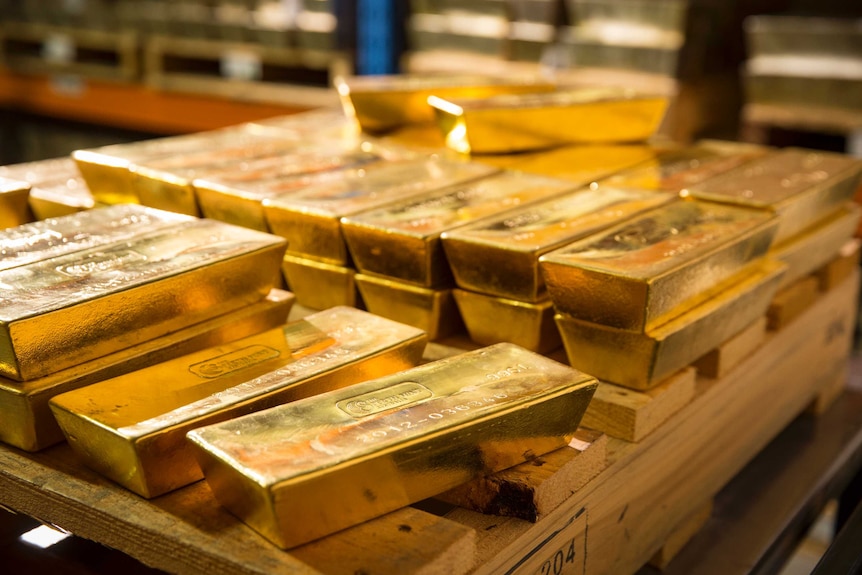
(556, 564)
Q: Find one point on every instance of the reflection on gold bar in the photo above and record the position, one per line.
(641, 273)
(319, 123)
(39, 241)
(677, 170)
(132, 428)
(76, 307)
(431, 310)
(579, 164)
(816, 246)
(319, 285)
(64, 198)
(237, 197)
(310, 219)
(641, 360)
(27, 421)
(344, 457)
(13, 202)
(801, 186)
(491, 320)
(380, 103)
(520, 122)
(402, 240)
(500, 256)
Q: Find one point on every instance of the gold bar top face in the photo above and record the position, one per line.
(138, 421)
(802, 186)
(402, 240)
(641, 273)
(380, 445)
(40, 171)
(310, 218)
(98, 227)
(500, 256)
(66, 310)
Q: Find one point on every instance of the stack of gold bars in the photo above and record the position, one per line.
(41, 190)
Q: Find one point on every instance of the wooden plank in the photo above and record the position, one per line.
(631, 414)
(727, 356)
(829, 393)
(533, 489)
(790, 302)
(686, 461)
(681, 535)
(836, 271)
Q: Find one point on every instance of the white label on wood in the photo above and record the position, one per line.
(241, 65)
(562, 552)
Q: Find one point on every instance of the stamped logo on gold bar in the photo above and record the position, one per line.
(233, 361)
(393, 397)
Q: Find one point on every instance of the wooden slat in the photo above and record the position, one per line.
(836, 271)
(682, 535)
(725, 357)
(790, 302)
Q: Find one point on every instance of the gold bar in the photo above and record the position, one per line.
(41, 171)
(132, 428)
(381, 103)
(641, 360)
(320, 123)
(377, 446)
(39, 241)
(813, 248)
(319, 285)
(500, 256)
(800, 186)
(237, 197)
(677, 170)
(64, 198)
(506, 123)
(76, 307)
(310, 219)
(27, 420)
(639, 274)
(431, 310)
(402, 240)
(491, 320)
(14, 209)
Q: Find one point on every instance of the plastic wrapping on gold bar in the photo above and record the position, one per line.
(641, 360)
(27, 420)
(237, 197)
(507, 123)
(500, 256)
(677, 170)
(380, 103)
(402, 240)
(429, 309)
(14, 209)
(39, 241)
(75, 307)
(801, 186)
(310, 219)
(132, 428)
(641, 273)
(319, 285)
(490, 319)
(815, 246)
(304, 470)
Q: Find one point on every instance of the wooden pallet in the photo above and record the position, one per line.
(59, 50)
(244, 71)
(612, 519)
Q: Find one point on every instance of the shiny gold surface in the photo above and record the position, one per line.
(132, 428)
(28, 422)
(521, 122)
(641, 360)
(76, 307)
(813, 248)
(491, 320)
(63, 198)
(402, 240)
(39, 241)
(374, 447)
(310, 219)
(431, 310)
(639, 274)
(236, 197)
(801, 186)
(13, 202)
(319, 285)
(500, 256)
(380, 103)
(677, 170)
